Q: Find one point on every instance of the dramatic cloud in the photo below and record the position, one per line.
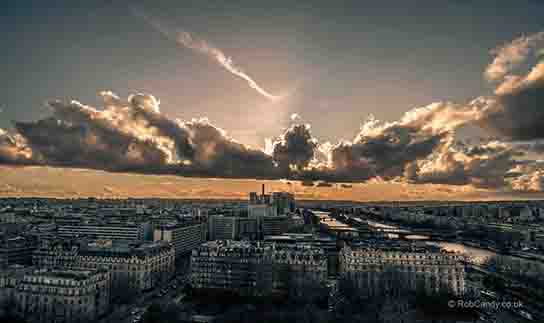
(82, 136)
(510, 56)
(482, 166)
(515, 113)
(217, 155)
(133, 135)
(13, 149)
(204, 47)
(384, 150)
(528, 177)
(295, 148)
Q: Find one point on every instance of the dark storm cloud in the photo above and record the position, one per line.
(516, 113)
(295, 148)
(146, 108)
(386, 154)
(217, 155)
(133, 136)
(382, 150)
(64, 143)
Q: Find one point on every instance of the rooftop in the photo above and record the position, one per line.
(392, 245)
(232, 244)
(124, 248)
(76, 275)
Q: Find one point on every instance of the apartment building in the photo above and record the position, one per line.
(240, 266)
(393, 266)
(134, 266)
(296, 264)
(47, 295)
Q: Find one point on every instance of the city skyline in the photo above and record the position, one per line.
(209, 100)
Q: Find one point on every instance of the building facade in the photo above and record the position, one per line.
(294, 265)
(17, 250)
(55, 252)
(240, 266)
(111, 230)
(46, 295)
(376, 268)
(222, 227)
(273, 225)
(135, 267)
(183, 236)
(315, 241)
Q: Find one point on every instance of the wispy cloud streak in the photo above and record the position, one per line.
(204, 47)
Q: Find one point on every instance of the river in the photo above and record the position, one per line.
(476, 255)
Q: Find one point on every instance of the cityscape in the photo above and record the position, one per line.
(270, 258)
(183, 161)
